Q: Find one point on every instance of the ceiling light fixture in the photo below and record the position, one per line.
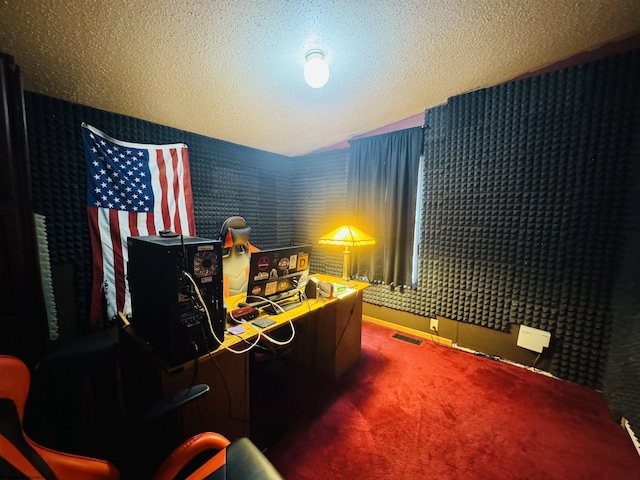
(316, 71)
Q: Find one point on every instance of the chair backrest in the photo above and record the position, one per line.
(21, 457)
(14, 387)
(236, 254)
(202, 456)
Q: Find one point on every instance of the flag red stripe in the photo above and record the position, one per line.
(151, 224)
(118, 260)
(164, 204)
(172, 201)
(95, 311)
(176, 190)
(133, 224)
(186, 182)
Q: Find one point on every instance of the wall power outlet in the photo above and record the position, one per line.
(433, 325)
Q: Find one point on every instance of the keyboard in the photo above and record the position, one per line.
(286, 306)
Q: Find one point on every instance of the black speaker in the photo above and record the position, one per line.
(176, 294)
(311, 290)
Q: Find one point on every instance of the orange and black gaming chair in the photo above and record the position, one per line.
(23, 458)
(20, 456)
(236, 254)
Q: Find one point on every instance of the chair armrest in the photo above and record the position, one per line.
(168, 405)
(244, 460)
(186, 452)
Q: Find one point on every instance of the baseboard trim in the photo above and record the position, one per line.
(410, 331)
(632, 435)
(445, 341)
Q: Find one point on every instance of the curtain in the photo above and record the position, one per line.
(382, 189)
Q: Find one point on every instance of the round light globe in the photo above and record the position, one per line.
(316, 71)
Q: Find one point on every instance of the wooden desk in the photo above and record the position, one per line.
(328, 342)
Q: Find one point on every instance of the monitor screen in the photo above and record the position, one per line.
(278, 273)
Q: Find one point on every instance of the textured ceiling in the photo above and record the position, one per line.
(232, 70)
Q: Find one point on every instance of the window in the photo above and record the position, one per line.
(382, 189)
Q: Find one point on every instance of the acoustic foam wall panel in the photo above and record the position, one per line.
(522, 193)
(227, 179)
(523, 187)
(622, 379)
(521, 206)
(320, 193)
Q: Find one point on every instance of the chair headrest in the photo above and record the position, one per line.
(233, 233)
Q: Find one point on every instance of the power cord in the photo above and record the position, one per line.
(434, 329)
(204, 410)
(344, 330)
(213, 333)
(276, 308)
(226, 388)
(260, 334)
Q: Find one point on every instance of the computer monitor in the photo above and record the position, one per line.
(278, 275)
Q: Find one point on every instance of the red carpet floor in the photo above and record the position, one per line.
(428, 411)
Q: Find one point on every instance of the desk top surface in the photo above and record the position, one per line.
(239, 341)
(243, 342)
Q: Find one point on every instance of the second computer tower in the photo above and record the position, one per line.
(177, 294)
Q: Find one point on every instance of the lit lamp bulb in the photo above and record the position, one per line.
(316, 71)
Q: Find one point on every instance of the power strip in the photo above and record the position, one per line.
(243, 314)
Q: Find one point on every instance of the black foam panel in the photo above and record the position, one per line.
(525, 185)
(522, 200)
(227, 179)
(523, 197)
(320, 192)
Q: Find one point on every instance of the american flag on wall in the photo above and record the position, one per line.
(132, 190)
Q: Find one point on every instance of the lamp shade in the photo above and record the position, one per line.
(346, 235)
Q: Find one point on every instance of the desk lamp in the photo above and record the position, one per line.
(349, 236)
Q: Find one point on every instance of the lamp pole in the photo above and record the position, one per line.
(345, 264)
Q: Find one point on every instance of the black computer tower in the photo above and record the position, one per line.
(176, 287)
